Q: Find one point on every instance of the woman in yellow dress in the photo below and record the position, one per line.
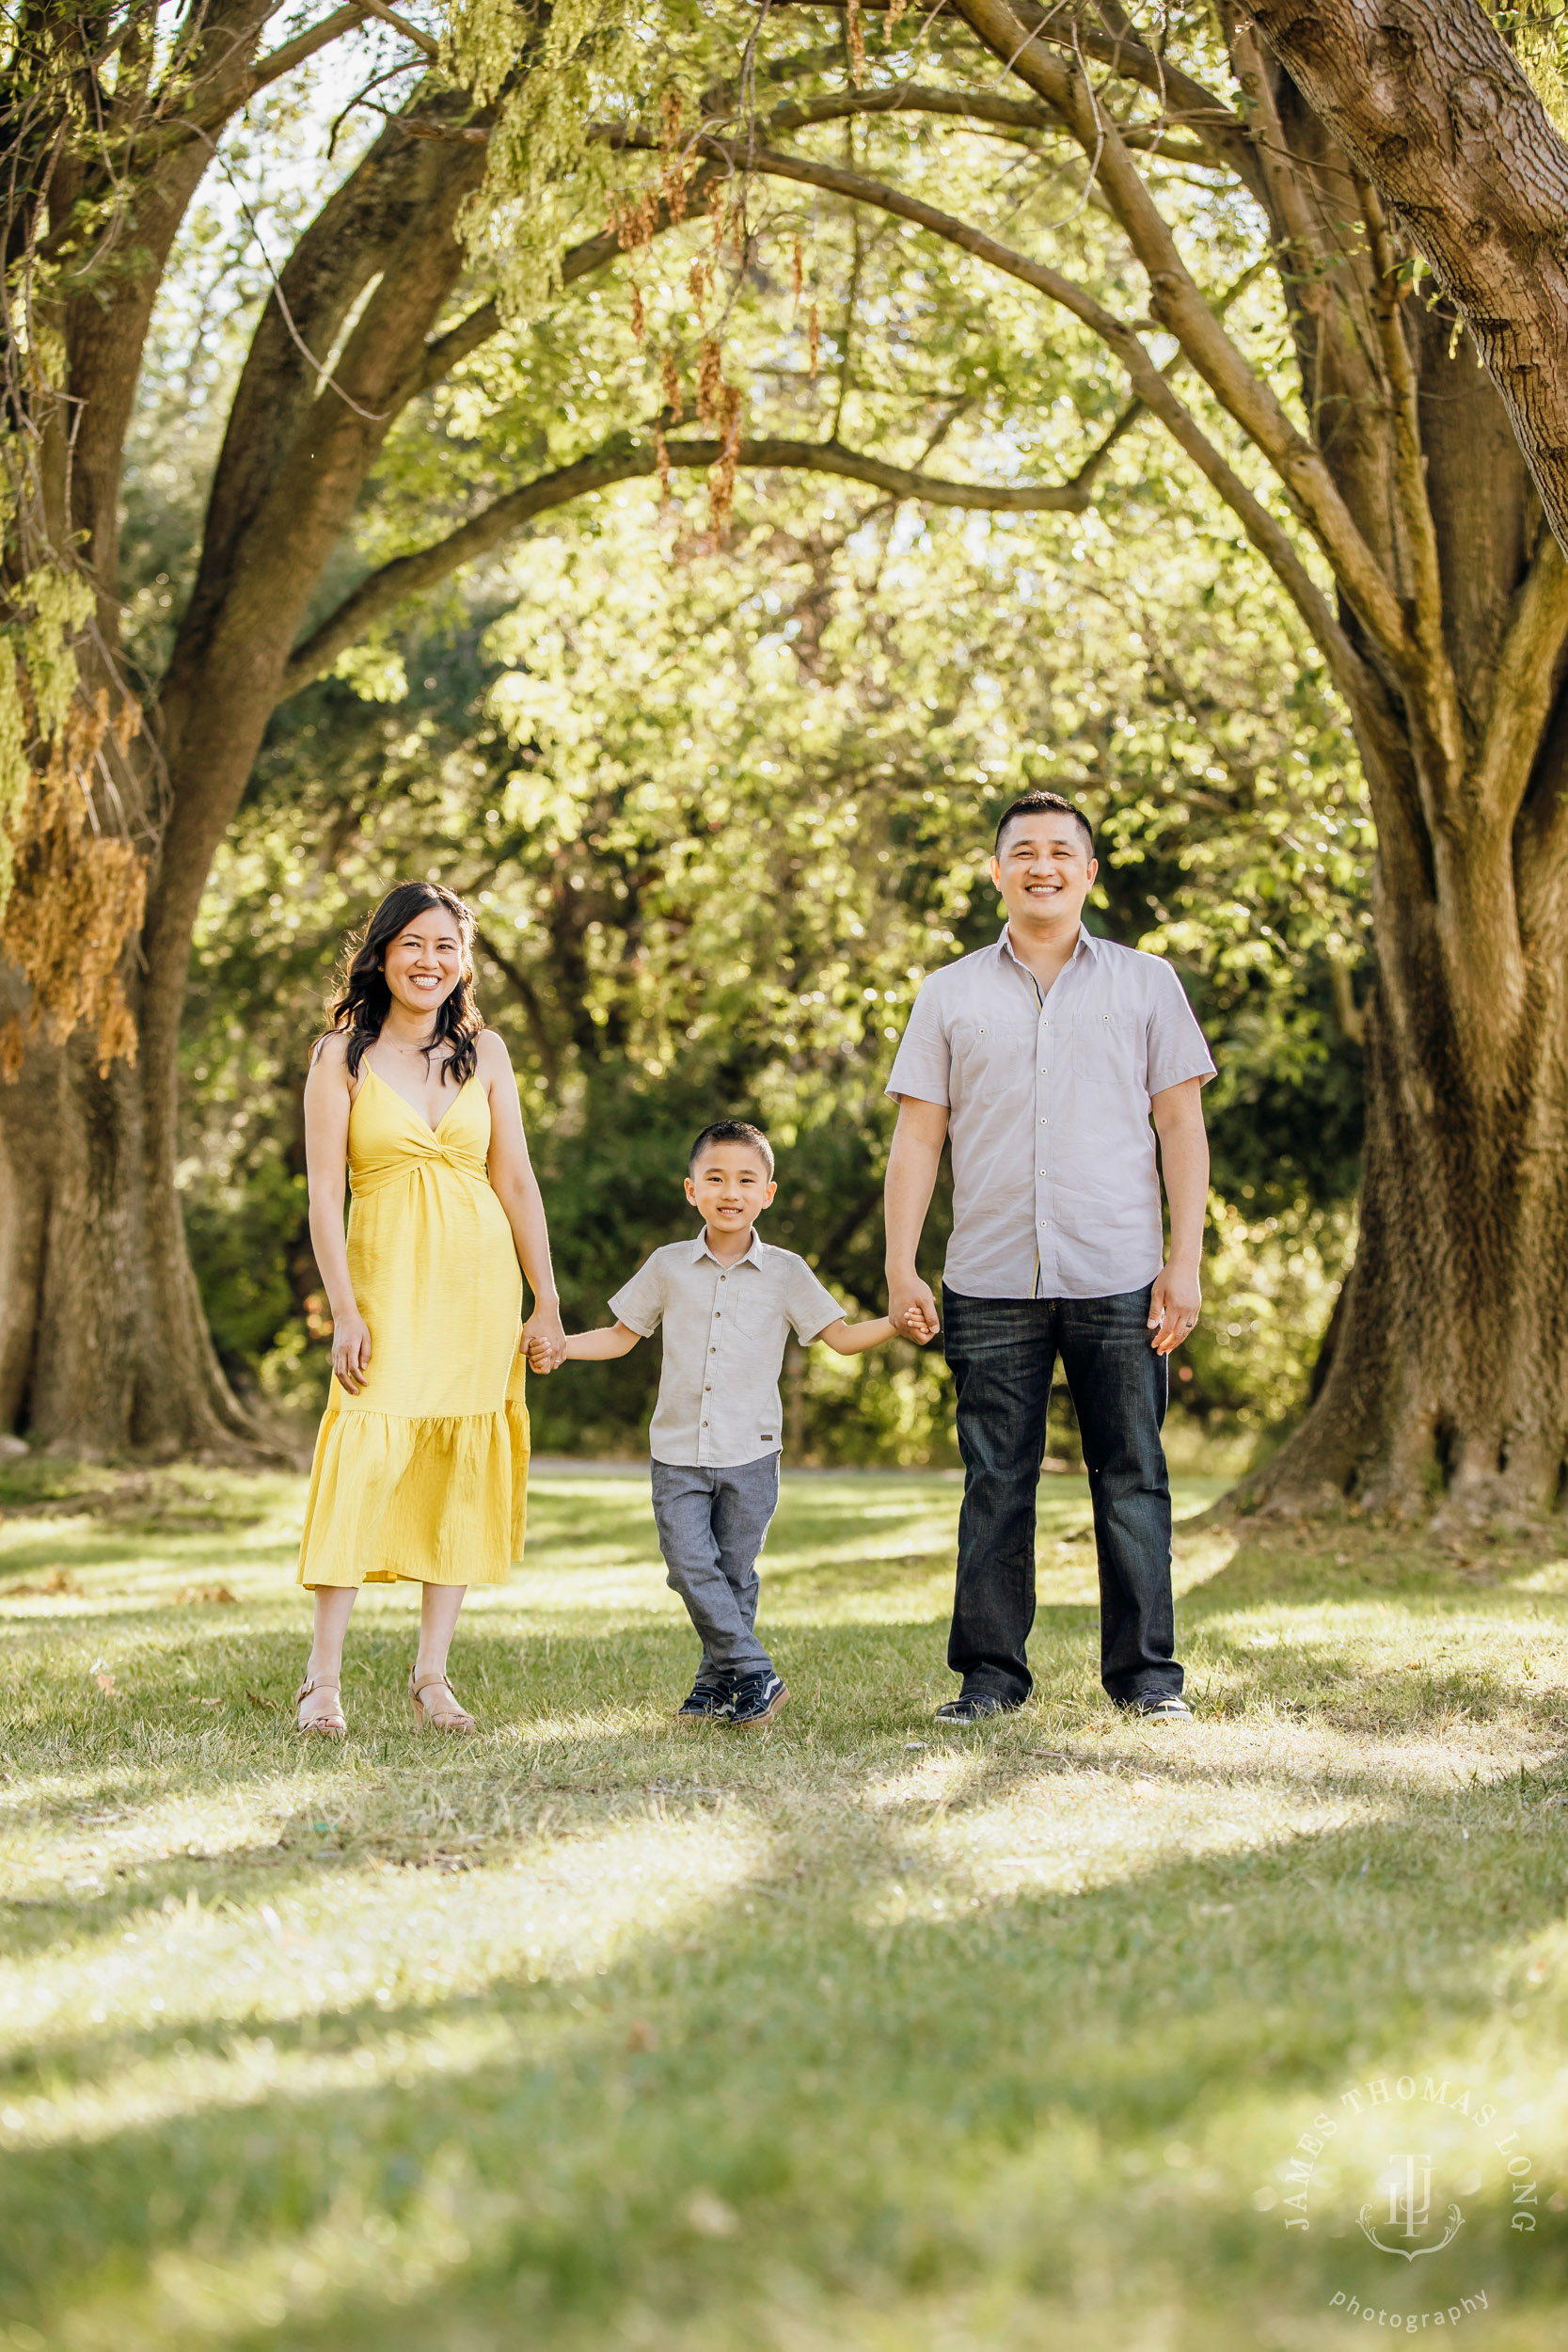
(421, 1463)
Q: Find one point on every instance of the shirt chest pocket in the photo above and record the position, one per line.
(1111, 1049)
(990, 1059)
(751, 1313)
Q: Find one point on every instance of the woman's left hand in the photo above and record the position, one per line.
(544, 1338)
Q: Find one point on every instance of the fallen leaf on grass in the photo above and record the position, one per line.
(106, 1684)
(641, 2036)
(56, 1579)
(211, 1592)
(709, 2216)
(254, 1699)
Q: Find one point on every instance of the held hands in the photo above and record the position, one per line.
(1174, 1306)
(912, 1310)
(350, 1350)
(543, 1340)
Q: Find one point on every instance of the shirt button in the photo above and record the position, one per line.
(705, 1424)
(1042, 1172)
(707, 1385)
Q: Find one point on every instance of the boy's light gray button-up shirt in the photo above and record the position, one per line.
(724, 1332)
(1056, 1187)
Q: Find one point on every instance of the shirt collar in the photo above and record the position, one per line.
(753, 1253)
(1086, 939)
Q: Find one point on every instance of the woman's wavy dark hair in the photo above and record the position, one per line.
(364, 999)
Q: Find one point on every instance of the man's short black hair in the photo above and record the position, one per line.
(734, 1131)
(1036, 805)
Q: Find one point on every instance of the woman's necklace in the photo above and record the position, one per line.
(407, 1046)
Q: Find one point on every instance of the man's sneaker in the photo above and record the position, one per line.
(1160, 1707)
(757, 1700)
(709, 1703)
(972, 1709)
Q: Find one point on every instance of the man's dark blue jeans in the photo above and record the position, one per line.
(1002, 1353)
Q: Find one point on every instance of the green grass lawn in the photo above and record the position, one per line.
(594, 2032)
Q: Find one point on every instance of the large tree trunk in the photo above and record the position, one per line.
(106, 1345)
(1449, 1371)
(1449, 1379)
(103, 1341)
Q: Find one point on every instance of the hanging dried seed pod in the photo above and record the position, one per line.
(671, 376)
(722, 480)
(813, 338)
(709, 382)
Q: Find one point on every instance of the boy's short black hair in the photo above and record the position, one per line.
(1036, 805)
(734, 1131)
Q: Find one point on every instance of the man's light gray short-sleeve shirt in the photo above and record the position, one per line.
(1055, 1186)
(724, 1333)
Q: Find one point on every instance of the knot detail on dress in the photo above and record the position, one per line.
(372, 1172)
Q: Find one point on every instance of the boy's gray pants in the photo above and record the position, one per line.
(711, 1526)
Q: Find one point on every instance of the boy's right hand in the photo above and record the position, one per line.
(912, 1310)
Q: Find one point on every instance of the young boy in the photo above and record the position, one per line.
(726, 1302)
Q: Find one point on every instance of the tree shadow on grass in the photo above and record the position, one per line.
(896, 2107)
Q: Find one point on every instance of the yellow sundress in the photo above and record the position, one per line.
(424, 1475)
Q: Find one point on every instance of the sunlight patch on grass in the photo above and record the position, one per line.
(594, 2032)
(358, 2255)
(359, 1948)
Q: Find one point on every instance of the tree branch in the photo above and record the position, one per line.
(1351, 673)
(1014, 114)
(410, 32)
(445, 351)
(527, 997)
(295, 52)
(1182, 98)
(1409, 483)
(1437, 113)
(624, 460)
(200, 121)
(1528, 674)
(1178, 303)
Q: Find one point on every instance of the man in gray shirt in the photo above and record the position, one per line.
(1044, 1058)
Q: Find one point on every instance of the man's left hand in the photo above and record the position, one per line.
(1175, 1305)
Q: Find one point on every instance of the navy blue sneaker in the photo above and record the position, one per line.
(757, 1699)
(1160, 1707)
(973, 1710)
(709, 1703)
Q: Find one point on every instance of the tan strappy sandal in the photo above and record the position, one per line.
(324, 1726)
(436, 1718)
